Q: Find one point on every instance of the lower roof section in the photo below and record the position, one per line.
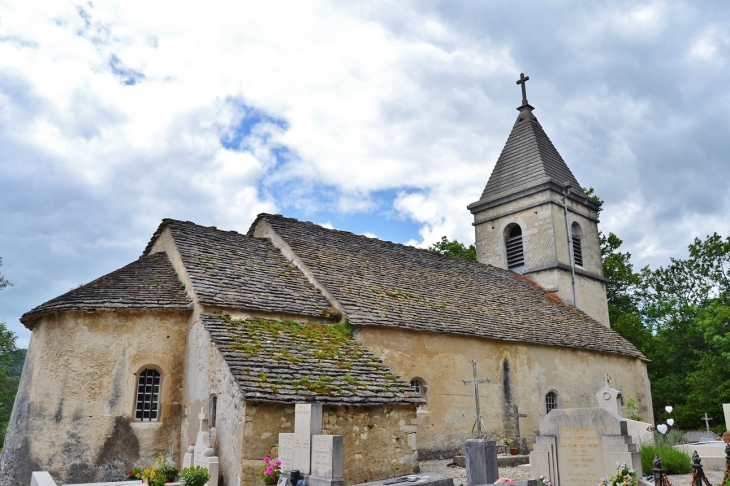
(289, 362)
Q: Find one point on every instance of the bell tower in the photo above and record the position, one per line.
(534, 218)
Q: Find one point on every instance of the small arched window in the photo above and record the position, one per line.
(514, 250)
(148, 396)
(551, 401)
(577, 238)
(419, 386)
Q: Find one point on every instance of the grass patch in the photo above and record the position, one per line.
(675, 461)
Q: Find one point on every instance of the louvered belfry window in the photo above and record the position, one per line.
(148, 396)
(577, 249)
(551, 402)
(515, 253)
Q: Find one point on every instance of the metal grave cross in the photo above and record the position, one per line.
(607, 379)
(517, 416)
(479, 429)
(523, 79)
(707, 422)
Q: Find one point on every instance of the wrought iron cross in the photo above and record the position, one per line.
(479, 426)
(517, 415)
(523, 79)
(707, 423)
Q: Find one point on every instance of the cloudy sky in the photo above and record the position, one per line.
(383, 118)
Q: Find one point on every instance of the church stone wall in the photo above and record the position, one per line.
(73, 414)
(379, 441)
(441, 361)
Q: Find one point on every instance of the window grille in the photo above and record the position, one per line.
(577, 249)
(148, 396)
(515, 253)
(417, 387)
(551, 402)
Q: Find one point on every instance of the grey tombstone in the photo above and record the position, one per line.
(481, 462)
(577, 447)
(307, 422)
(286, 452)
(327, 455)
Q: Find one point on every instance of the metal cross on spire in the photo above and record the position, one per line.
(523, 79)
(479, 429)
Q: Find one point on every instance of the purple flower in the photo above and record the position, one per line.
(267, 459)
(269, 470)
(277, 463)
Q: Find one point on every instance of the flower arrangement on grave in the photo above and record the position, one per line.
(194, 476)
(272, 472)
(624, 477)
(542, 481)
(135, 474)
(726, 436)
(167, 466)
(163, 470)
(507, 441)
(505, 480)
(153, 477)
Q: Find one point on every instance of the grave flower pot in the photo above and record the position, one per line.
(726, 439)
(513, 451)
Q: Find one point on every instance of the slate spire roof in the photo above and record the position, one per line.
(528, 160)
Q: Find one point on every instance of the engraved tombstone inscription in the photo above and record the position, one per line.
(286, 451)
(307, 422)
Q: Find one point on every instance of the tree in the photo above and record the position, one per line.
(454, 249)
(8, 370)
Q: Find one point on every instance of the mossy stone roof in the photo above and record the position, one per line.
(288, 362)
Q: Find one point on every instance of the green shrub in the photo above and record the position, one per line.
(675, 461)
(194, 476)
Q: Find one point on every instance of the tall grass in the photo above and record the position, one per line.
(676, 461)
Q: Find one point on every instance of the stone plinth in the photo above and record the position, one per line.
(481, 461)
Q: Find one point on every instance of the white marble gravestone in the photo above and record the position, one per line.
(286, 452)
(608, 397)
(726, 410)
(202, 442)
(327, 455)
(188, 457)
(307, 422)
(578, 447)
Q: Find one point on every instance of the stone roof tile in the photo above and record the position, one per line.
(148, 283)
(382, 283)
(288, 362)
(232, 270)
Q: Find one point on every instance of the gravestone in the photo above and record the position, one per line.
(286, 452)
(327, 456)
(577, 447)
(726, 410)
(202, 442)
(188, 457)
(608, 397)
(307, 422)
(481, 462)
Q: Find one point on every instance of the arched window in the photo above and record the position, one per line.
(148, 396)
(577, 236)
(419, 386)
(551, 401)
(513, 246)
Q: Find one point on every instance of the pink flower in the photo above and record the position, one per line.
(269, 470)
(277, 463)
(267, 459)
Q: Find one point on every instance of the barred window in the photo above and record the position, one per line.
(419, 386)
(148, 396)
(551, 402)
(515, 253)
(577, 248)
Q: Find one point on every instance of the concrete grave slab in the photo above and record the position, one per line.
(421, 480)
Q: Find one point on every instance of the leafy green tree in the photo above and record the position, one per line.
(8, 370)
(454, 249)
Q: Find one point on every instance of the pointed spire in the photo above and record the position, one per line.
(529, 160)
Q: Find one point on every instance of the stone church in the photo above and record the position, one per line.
(382, 334)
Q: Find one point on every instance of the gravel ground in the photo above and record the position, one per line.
(459, 473)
